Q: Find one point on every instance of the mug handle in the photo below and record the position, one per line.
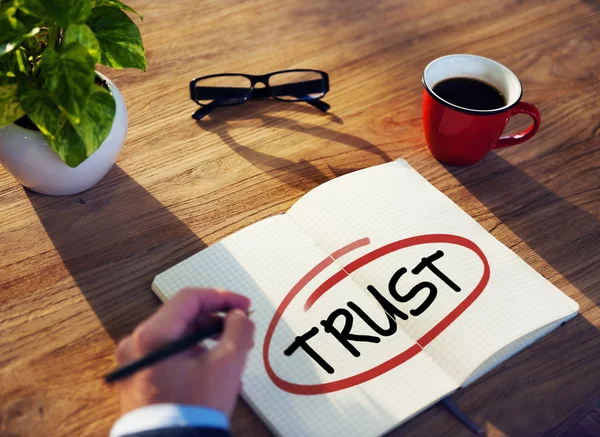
(524, 135)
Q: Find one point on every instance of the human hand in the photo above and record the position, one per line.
(208, 378)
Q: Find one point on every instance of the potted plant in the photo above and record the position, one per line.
(62, 124)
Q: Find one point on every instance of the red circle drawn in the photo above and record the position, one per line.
(313, 389)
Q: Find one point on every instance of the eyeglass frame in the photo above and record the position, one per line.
(265, 92)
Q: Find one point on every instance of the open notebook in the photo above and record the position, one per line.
(374, 297)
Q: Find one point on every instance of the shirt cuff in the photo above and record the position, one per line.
(168, 416)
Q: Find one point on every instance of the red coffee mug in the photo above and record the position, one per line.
(462, 136)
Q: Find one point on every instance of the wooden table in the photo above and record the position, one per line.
(75, 272)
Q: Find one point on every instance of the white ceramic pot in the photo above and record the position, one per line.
(27, 156)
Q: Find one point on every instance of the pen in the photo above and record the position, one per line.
(167, 351)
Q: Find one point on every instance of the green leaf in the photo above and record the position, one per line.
(42, 110)
(29, 21)
(69, 77)
(7, 7)
(97, 119)
(116, 4)
(12, 33)
(82, 34)
(73, 143)
(63, 12)
(14, 64)
(119, 38)
(10, 108)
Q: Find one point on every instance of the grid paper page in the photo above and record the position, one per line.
(264, 262)
(392, 203)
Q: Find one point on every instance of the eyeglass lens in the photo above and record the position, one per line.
(233, 89)
(223, 90)
(297, 85)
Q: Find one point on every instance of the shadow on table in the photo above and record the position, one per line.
(536, 388)
(568, 239)
(113, 239)
(300, 174)
(565, 236)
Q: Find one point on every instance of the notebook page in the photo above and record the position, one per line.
(485, 298)
(265, 261)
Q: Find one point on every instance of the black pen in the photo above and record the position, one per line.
(167, 351)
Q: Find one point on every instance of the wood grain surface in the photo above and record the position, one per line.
(75, 271)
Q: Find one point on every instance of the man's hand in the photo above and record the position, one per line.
(208, 378)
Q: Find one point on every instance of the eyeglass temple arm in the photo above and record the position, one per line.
(319, 104)
(202, 112)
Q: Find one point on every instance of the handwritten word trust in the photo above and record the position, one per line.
(346, 337)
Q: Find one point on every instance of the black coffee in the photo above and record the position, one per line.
(470, 93)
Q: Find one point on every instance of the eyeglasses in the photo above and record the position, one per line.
(234, 89)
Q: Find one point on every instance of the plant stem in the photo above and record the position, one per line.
(53, 36)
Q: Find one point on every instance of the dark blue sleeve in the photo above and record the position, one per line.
(181, 431)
